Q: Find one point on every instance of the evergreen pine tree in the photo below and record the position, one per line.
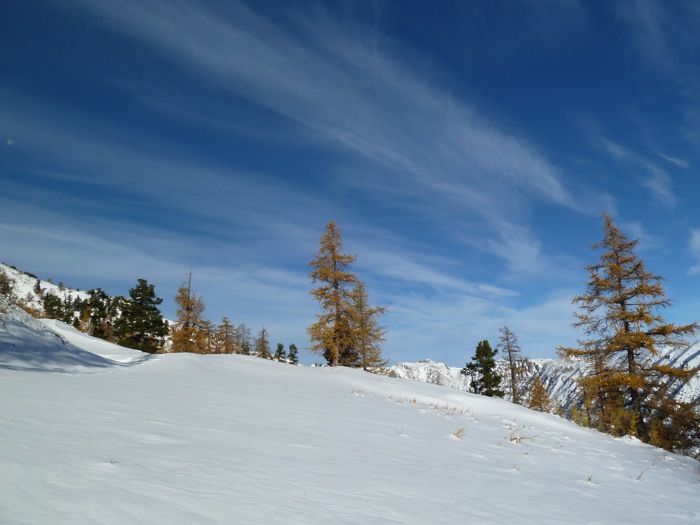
(618, 311)
(98, 314)
(331, 335)
(69, 313)
(280, 354)
(53, 306)
(141, 325)
(293, 354)
(6, 285)
(482, 368)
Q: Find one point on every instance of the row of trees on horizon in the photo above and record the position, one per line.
(346, 332)
(624, 389)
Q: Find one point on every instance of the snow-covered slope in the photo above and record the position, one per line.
(25, 288)
(94, 345)
(558, 376)
(27, 344)
(188, 439)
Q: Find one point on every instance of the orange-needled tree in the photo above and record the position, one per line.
(626, 390)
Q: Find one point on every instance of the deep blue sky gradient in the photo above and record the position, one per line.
(466, 149)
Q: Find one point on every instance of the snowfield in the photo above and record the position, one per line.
(93, 433)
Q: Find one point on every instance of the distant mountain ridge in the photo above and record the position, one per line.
(557, 376)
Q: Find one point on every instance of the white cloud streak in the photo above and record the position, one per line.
(657, 181)
(414, 143)
(416, 136)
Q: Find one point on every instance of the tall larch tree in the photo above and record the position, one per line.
(331, 336)
(187, 333)
(262, 344)
(226, 338)
(243, 339)
(619, 313)
(141, 325)
(207, 336)
(368, 334)
(482, 370)
(510, 350)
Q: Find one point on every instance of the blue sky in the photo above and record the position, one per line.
(466, 149)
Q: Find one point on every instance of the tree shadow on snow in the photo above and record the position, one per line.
(29, 349)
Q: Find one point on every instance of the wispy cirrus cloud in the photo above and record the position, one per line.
(402, 140)
(661, 31)
(657, 180)
(663, 35)
(417, 141)
(68, 148)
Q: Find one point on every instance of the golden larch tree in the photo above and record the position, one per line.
(331, 336)
(368, 334)
(226, 338)
(189, 333)
(537, 398)
(625, 390)
(262, 344)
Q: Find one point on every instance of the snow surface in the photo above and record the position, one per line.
(93, 434)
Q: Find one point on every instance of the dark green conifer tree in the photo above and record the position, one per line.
(53, 306)
(293, 354)
(482, 368)
(98, 314)
(280, 354)
(6, 284)
(141, 325)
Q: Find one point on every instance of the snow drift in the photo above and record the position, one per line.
(188, 439)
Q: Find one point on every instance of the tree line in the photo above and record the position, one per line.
(137, 322)
(624, 389)
(192, 332)
(483, 377)
(346, 333)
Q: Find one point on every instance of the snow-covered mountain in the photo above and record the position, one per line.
(30, 289)
(94, 433)
(558, 376)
